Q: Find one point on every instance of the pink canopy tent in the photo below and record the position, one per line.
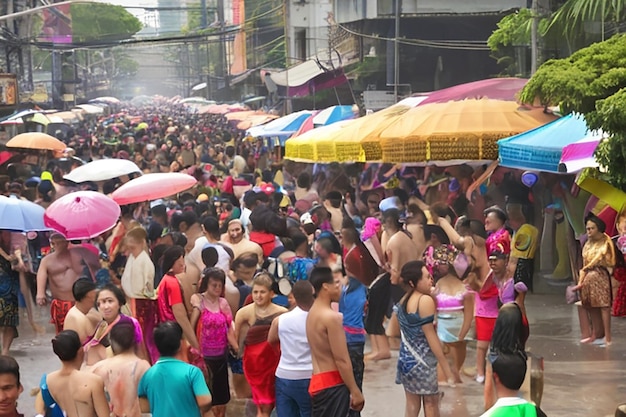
(493, 88)
(579, 155)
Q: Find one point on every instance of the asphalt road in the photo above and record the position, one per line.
(582, 381)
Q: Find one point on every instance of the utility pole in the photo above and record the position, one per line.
(534, 38)
(223, 72)
(287, 105)
(396, 51)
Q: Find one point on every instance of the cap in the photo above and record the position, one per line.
(158, 202)
(202, 197)
(306, 218)
(497, 255)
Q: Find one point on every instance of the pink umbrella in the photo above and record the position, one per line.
(579, 155)
(493, 88)
(152, 186)
(82, 215)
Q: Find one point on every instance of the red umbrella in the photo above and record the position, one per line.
(152, 186)
(82, 215)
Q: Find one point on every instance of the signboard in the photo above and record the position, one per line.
(378, 99)
(57, 25)
(8, 91)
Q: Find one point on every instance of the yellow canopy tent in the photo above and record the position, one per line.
(456, 130)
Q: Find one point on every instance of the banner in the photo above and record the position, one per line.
(238, 50)
(8, 90)
(57, 25)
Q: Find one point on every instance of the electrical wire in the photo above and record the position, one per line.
(459, 45)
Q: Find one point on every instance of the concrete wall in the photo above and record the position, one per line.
(308, 27)
(353, 10)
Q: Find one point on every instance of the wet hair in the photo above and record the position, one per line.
(210, 257)
(116, 292)
(597, 221)
(188, 217)
(321, 275)
(335, 198)
(511, 369)
(304, 180)
(303, 293)
(178, 239)
(392, 214)
(167, 338)
(411, 274)
(122, 337)
(509, 334)
(417, 211)
(497, 211)
(402, 195)
(249, 199)
(211, 226)
(263, 279)
(170, 256)
(66, 345)
(81, 287)
(247, 260)
(9, 365)
(443, 210)
(352, 234)
(215, 274)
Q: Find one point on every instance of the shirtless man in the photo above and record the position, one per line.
(333, 388)
(121, 373)
(83, 318)
(397, 245)
(78, 393)
(59, 270)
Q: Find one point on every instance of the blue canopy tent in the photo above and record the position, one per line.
(541, 149)
(280, 129)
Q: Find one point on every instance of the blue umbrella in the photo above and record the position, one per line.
(21, 215)
(333, 114)
(281, 128)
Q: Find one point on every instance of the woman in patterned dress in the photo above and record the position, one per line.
(594, 282)
(420, 349)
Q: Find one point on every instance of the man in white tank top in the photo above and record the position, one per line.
(295, 367)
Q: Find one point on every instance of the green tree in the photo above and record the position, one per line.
(513, 30)
(96, 22)
(592, 81)
(575, 18)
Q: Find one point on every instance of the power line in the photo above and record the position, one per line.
(459, 45)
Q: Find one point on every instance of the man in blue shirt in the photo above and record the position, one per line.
(352, 306)
(172, 387)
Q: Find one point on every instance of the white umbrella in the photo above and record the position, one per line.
(107, 99)
(90, 108)
(102, 170)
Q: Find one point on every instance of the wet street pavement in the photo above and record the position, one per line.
(580, 380)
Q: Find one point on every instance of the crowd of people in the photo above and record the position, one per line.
(257, 284)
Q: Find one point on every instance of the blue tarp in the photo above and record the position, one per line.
(541, 148)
